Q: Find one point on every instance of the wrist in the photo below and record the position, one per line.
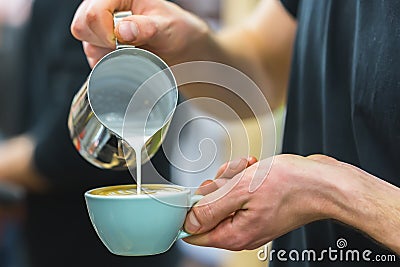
(202, 44)
(366, 203)
(310, 191)
(323, 188)
(190, 37)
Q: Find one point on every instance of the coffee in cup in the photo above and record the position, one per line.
(131, 224)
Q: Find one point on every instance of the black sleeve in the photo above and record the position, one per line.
(291, 6)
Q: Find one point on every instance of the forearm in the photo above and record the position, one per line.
(368, 204)
(261, 48)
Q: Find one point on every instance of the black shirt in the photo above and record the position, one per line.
(344, 101)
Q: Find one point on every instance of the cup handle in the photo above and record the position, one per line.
(118, 16)
(193, 200)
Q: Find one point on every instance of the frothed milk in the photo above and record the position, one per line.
(136, 132)
(131, 190)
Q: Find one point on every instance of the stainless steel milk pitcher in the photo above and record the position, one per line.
(98, 113)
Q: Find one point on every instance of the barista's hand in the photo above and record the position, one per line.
(16, 164)
(293, 192)
(247, 210)
(157, 25)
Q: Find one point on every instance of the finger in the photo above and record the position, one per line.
(230, 169)
(99, 17)
(215, 207)
(221, 169)
(94, 53)
(224, 174)
(77, 25)
(251, 160)
(93, 21)
(137, 29)
(231, 233)
(209, 186)
(205, 187)
(80, 29)
(214, 238)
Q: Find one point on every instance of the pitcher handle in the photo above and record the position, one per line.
(118, 16)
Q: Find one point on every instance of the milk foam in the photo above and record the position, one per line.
(132, 190)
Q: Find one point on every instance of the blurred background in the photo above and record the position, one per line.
(14, 16)
(16, 19)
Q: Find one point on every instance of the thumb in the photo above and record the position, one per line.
(226, 172)
(137, 29)
(214, 208)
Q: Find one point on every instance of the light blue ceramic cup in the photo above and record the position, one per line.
(139, 225)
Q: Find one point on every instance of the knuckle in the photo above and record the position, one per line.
(317, 156)
(150, 31)
(76, 29)
(322, 158)
(76, 26)
(91, 17)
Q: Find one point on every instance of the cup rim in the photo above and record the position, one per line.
(184, 190)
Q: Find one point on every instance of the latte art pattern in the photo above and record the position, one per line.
(132, 190)
(121, 192)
